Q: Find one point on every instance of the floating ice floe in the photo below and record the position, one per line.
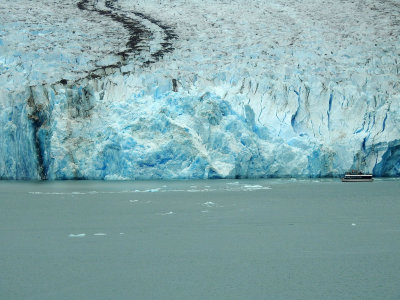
(97, 192)
(256, 187)
(153, 190)
(199, 190)
(168, 213)
(79, 235)
(78, 193)
(209, 204)
(247, 187)
(49, 193)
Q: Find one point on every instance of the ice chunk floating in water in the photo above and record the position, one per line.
(279, 94)
(79, 235)
(166, 214)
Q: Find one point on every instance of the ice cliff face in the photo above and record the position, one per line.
(198, 89)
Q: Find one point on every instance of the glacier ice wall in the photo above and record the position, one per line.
(211, 89)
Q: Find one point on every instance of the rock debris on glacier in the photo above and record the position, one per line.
(125, 89)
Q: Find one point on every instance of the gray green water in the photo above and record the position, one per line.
(222, 239)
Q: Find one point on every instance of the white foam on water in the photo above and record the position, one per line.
(100, 234)
(209, 204)
(204, 211)
(121, 233)
(353, 224)
(77, 235)
(133, 201)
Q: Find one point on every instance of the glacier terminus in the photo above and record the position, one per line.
(171, 89)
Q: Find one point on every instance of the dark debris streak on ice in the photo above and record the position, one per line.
(138, 32)
(139, 35)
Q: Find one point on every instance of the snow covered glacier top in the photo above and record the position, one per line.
(198, 89)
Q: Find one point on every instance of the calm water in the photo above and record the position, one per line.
(222, 239)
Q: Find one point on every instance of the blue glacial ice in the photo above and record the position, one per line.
(174, 89)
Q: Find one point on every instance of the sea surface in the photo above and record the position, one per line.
(212, 239)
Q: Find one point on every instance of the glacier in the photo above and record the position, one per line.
(124, 89)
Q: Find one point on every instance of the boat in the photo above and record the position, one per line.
(357, 176)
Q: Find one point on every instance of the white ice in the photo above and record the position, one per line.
(251, 89)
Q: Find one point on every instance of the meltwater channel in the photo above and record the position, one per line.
(211, 239)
